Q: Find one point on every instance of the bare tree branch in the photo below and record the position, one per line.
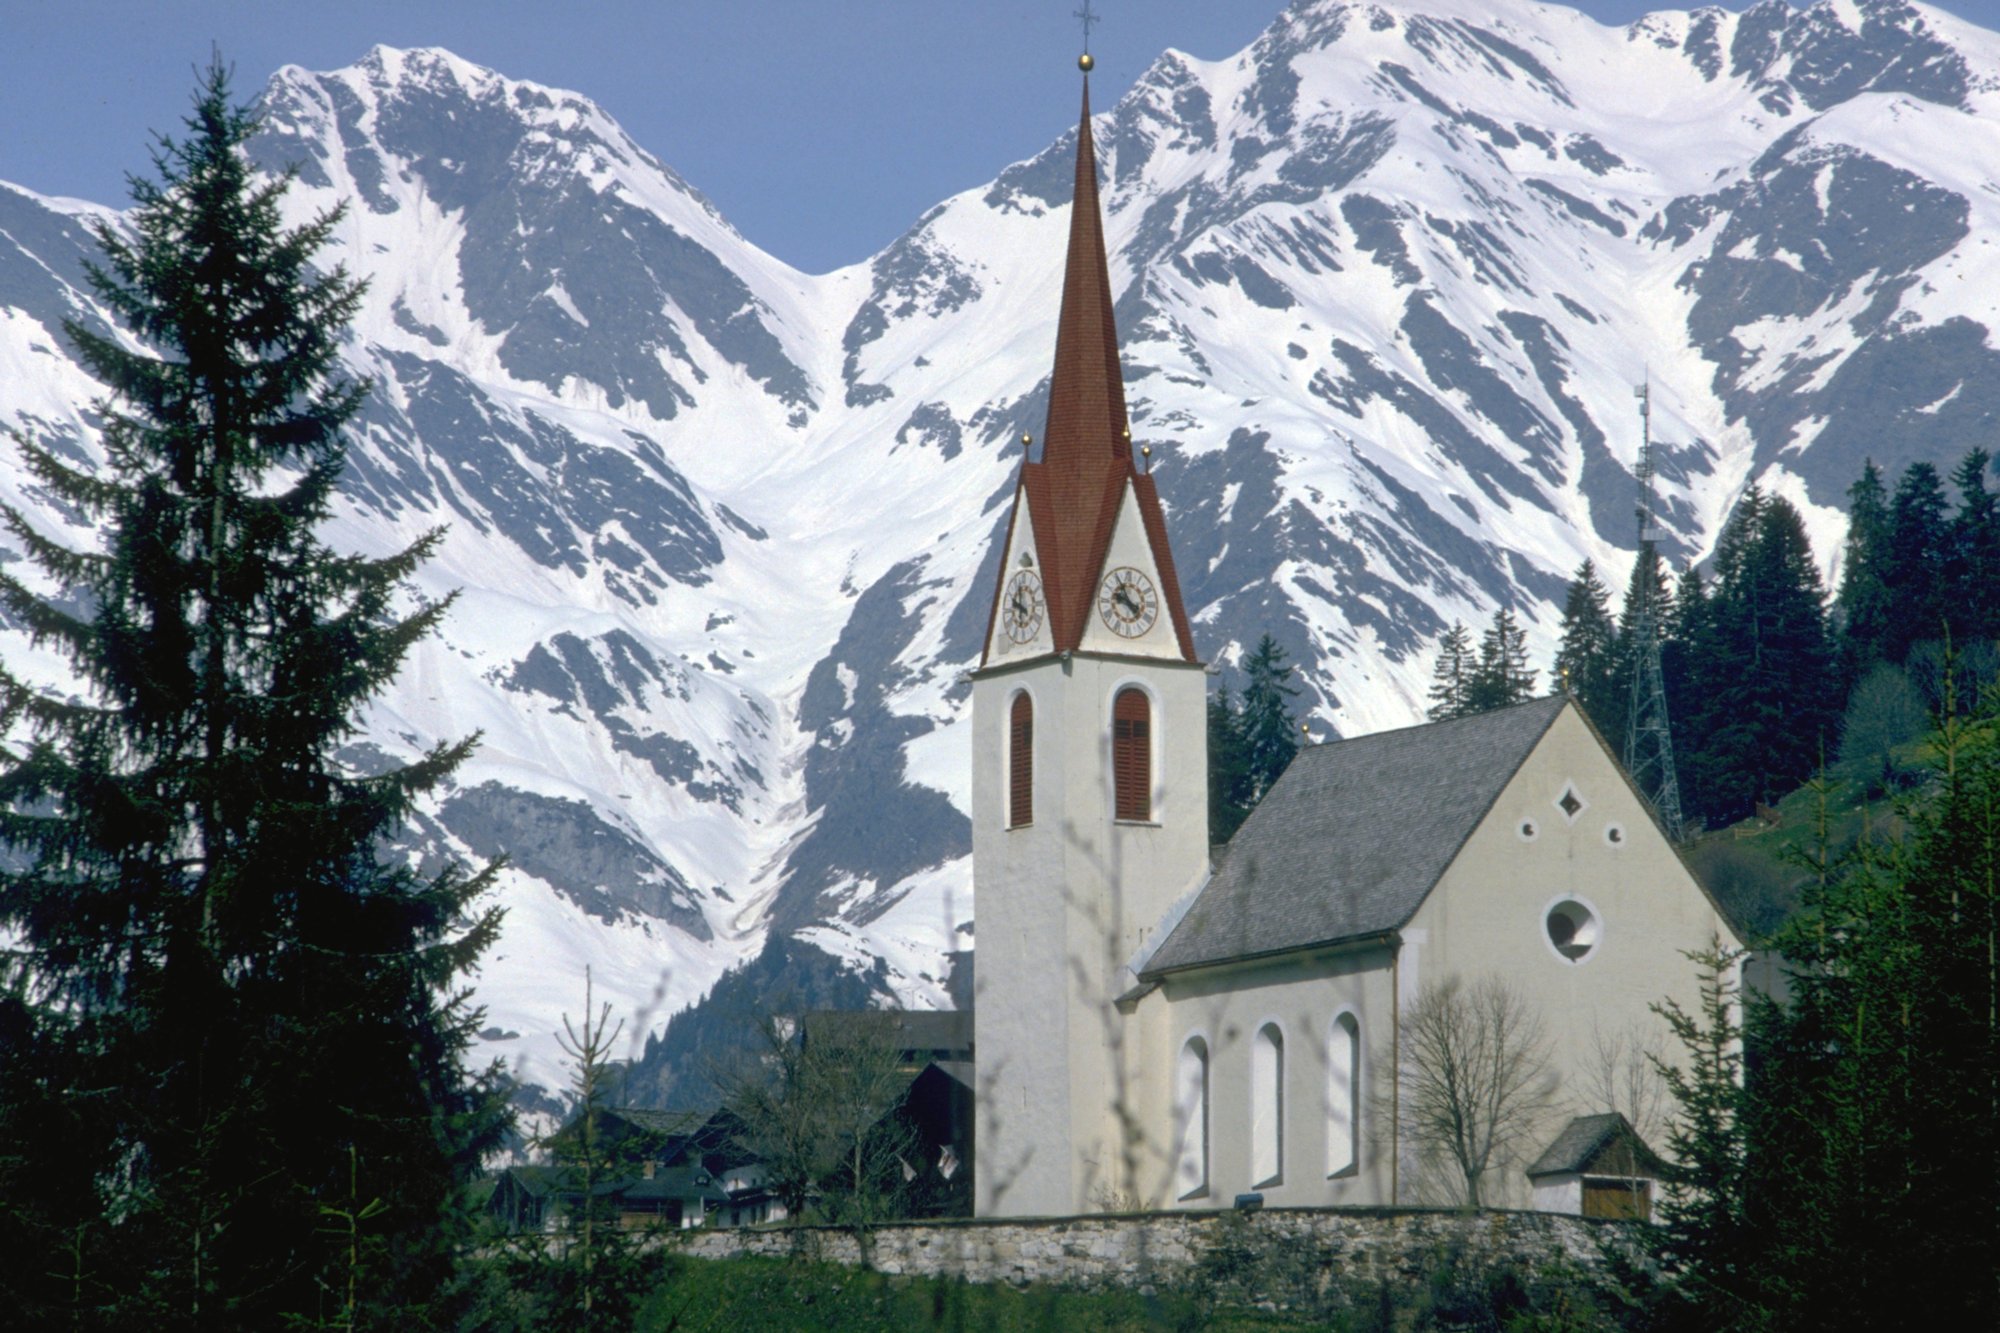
(1475, 1082)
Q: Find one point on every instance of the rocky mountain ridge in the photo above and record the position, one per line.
(1385, 281)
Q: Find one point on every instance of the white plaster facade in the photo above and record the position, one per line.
(1101, 1095)
(1486, 916)
(1065, 904)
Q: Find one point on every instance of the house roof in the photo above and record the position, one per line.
(901, 1029)
(961, 1072)
(664, 1123)
(1352, 838)
(671, 1183)
(1586, 1143)
(534, 1181)
(1074, 491)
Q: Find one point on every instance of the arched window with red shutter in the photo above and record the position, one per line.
(1132, 754)
(1021, 762)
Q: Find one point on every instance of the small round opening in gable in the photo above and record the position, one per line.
(1573, 929)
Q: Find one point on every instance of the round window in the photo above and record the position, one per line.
(1573, 929)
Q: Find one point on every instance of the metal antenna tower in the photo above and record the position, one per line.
(1649, 741)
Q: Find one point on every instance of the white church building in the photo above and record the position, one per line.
(1159, 1028)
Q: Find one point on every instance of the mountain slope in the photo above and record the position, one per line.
(1385, 281)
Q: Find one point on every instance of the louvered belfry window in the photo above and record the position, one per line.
(1021, 763)
(1132, 754)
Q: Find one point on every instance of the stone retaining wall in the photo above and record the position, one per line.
(1280, 1255)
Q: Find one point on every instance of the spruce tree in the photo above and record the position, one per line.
(1686, 654)
(1862, 606)
(1771, 695)
(1451, 677)
(1647, 585)
(1228, 778)
(1586, 660)
(1972, 574)
(1501, 676)
(1269, 735)
(260, 1019)
(1919, 540)
(1702, 1231)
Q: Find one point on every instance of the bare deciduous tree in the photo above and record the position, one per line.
(1623, 1075)
(1475, 1082)
(819, 1112)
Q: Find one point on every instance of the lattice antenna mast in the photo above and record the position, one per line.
(1649, 741)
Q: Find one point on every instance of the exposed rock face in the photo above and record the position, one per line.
(725, 531)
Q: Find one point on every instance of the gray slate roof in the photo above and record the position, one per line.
(1350, 841)
(1584, 1139)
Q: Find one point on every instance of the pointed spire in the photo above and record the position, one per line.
(1073, 491)
(1087, 391)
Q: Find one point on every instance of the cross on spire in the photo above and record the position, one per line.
(1089, 19)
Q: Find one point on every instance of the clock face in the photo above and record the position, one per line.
(1021, 608)
(1127, 602)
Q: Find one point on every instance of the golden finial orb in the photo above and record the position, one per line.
(1026, 439)
(1086, 62)
(1145, 451)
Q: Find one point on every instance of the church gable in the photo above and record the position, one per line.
(1131, 609)
(1568, 878)
(1019, 626)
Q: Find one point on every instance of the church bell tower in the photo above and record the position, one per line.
(1090, 777)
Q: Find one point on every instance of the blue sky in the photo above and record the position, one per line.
(821, 128)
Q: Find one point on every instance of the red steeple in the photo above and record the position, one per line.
(1074, 492)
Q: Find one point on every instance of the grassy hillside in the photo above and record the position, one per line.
(1758, 868)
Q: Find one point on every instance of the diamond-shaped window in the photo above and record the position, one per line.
(1570, 803)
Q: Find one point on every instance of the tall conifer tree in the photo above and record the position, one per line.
(1228, 778)
(1502, 675)
(1451, 675)
(1587, 658)
(1973, 569)
(262, 1019)
(1772, 692)
(1862, 605)
(1919, 541)
(1687, 654)
(1269, 736)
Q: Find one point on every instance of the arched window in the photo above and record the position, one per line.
(1132, 754)
(1021, 762)
(1267, 1107)
(1343, 1096)
(1191, 1119)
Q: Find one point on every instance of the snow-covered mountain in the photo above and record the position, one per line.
(1385, 282)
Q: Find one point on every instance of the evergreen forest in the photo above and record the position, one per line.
(1767, 679)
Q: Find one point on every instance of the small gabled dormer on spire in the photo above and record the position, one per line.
(1086, 560)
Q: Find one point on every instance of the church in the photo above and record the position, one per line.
(1160, 1025)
